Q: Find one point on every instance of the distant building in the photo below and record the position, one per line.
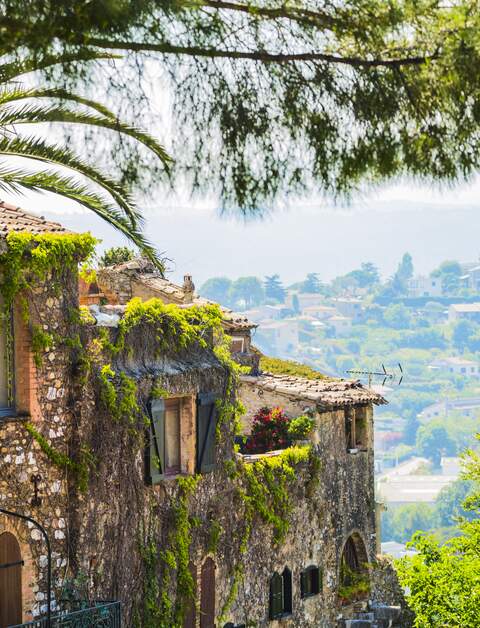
(283, 335)
(320, 312)
(471, 278)
(341, 324)
(465, 405)
(464, 311)
(412, 489)
(305, 299)
(457, 366)
(422, 286)
(352, 308)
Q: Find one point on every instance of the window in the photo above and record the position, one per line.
(356, 428)
(207, 417)
(6, 364)
(310, 581)
(165, 433)
(237, 345)
(281, 594)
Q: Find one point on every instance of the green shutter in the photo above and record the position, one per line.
(303, 584)
(207, 417)
(276, 596)
(156, 456)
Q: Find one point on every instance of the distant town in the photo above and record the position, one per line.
(430, 326)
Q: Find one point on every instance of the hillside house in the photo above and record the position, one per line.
(422, 286)
(456, 366)
(465, 312)
(341, 324)
(117, 437)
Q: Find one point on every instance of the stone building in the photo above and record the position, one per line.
(117, 433)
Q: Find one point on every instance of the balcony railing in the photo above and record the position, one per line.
(102, 615)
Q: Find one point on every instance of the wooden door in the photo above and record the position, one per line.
(207, 595)
(190, 620)
(10, 581)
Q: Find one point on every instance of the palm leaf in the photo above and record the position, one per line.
(17, 93)
(33, 114)
(39, 150)
(17, 181)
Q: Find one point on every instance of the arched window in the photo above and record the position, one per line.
(310, 581)
(207, 595)
(10, 580)
(354, 580)
(281, 594)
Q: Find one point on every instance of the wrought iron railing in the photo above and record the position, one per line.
(102, 615)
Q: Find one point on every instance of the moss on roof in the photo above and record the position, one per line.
(277, 366)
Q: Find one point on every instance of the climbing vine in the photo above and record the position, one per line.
(264, 491)
(80, 468)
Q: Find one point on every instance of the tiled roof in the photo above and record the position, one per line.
(334, 393)
(16, 219)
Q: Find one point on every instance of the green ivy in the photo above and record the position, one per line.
(81, 469)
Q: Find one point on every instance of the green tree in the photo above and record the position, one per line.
(217, 289)
(295, 304)
(275, 82)
(366, 276)
(274, 288)
(463, 333)
(311, 284)
(433, 441)
(397, 316)
(399, 524)
(449, 273)
(116, 255)
(444, 580)
(449, 503)
(247, 292)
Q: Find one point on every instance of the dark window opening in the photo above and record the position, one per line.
(281, 594)
(310, 581)
(356, 428)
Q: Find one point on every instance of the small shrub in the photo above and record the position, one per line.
(301, 427)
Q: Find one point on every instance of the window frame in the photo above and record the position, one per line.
(310, 574)
(284, 580)
(156, 450)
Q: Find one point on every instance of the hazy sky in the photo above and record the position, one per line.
(309, 236)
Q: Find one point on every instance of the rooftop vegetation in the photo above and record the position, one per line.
(289, 367)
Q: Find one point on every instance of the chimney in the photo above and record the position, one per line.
(188, 289)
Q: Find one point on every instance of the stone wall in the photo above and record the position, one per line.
(43, 396)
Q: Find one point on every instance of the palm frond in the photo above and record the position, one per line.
(15, 93)
(34, 114)
(17, 181)
(39, 150)
(14, 69)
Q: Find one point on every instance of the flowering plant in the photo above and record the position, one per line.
(269, 431)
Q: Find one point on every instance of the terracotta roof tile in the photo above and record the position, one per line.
(16, 219)
(324, 393)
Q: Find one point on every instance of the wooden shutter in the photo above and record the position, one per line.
(276, 596)
(287, 590)
(156, 454)
(207, 417)
(303, 583)
(10, 581)
(207, 595)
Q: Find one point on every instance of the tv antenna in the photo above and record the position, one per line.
(388, 376)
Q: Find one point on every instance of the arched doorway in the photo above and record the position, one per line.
(207, 595)
(354, 582)
(10, 581)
